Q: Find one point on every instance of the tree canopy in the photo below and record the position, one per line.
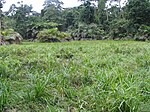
(115, 20)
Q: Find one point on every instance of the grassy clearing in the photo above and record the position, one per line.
(90, 76)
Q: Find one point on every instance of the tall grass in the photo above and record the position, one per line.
(88, 76)
(5, 93)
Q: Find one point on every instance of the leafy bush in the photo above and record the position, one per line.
(51, 35)
(118, 28)
(63, 34)
(10, 36)
(91, 31)
(34, 28)
(7, 32)
(143, 33)
(95, 32)
(144, 30)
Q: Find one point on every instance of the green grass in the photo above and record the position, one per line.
(85, 76)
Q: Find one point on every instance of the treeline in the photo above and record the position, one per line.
(106, 20)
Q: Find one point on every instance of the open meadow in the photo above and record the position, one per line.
(80, 76)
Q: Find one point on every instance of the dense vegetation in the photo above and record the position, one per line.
(111, 19)
(90, 76)
(76, 76)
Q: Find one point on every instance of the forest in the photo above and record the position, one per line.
(94, 57)
(103, 19)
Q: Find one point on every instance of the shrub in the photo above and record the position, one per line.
(144, 30)
(10, 36)
(143, 33)
(7, 32)
(51, 35)
(119, 28)
(91, 31)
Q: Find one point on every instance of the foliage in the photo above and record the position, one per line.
(138, 11)
(34, 28)
(53, 33)
(56, 3)
(90, 31)
(52, 11)
(70, 16)
(5, 93)
(21, 16)
(114, 12)
(76, 76)
(111, 18)
(7, 32)
(87, 13)
(144, 30)
(143, 33)
(113, 22)
(10, 37)
(119, 28)
(1, 3)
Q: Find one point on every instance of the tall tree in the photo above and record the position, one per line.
(52, 10)
(56, 3)
(139, 11)
(102, 13)
(87, 13)
(20, 16)
(70, 16)
(1, 6)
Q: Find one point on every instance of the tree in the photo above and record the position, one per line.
(87, 13)
(52, 11)
(1, 6)
(56, 3)
(70, 17)
(139, 11)
(20, 17)
(102, 13)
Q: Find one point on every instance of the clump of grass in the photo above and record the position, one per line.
(37, 88)
(5, 93)
(65, 54)
(3, 71)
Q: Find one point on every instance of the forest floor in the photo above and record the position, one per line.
(87, 76)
